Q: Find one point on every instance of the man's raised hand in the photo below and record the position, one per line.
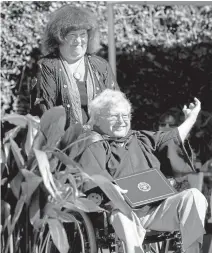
(193, 109)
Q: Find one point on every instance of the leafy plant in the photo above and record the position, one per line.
(42, 190)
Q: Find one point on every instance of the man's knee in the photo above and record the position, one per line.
(197, 195)
(127, 230)
(193, 195)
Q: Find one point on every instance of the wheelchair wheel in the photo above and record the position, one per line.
(80, 235)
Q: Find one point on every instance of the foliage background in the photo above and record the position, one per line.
(164, 57)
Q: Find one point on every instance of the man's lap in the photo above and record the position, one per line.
(164, 217)
(179, 212)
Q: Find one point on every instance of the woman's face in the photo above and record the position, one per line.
(75, 45)
(168, 123)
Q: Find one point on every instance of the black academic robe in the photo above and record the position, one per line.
(141, 150)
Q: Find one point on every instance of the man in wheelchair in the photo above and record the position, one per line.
(118, 151)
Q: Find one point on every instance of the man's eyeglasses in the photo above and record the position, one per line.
(116, 117)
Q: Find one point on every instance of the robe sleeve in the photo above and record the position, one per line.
(93, 161)
(176, 158)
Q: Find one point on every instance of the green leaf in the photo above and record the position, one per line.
(53, 163)
(4, 181)
(6, 223)
(65, 217)
(32, 182)
(17, 154)
(16, 184)
(109, 189)
(11, 133)
(17, 213)
(29, 139)
(52, 124)
(35, 120)
(46, 174)
(87, 205)
(67, 185)
(20, 203)
(5, 151)
(50, 209)
(16, 119)
(34, 210)
(73, 166)
(73, 184)
(71, 134)
(5, 212)
(58, 235)
(69, 205)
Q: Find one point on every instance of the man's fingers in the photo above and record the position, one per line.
(191, 105)
(123, 191)
(197, 101)
(120, 189)
(184, 108)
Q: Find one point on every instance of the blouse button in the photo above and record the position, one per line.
(60, 69)
(68, 105)
(65, 86)
(97, 88)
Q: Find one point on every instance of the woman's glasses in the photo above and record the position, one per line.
(73, 37)
(167, 125)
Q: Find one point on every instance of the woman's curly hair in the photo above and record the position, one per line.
(69, 18)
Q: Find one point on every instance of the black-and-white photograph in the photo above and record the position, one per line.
(106, 126)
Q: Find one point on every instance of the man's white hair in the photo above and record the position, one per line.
(106, 100)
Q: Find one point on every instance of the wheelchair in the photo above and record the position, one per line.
(94, 234)
(154, 242)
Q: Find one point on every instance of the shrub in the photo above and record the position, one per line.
(42, 187)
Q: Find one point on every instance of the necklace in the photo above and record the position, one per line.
(76, 74)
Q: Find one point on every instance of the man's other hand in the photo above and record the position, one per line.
(120, 191)
(193, 109)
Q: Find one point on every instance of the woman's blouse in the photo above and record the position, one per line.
(84, 100)
(52, 89)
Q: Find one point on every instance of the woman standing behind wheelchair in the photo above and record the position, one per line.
(70, 74)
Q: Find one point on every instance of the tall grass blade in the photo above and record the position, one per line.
(58, 235)
(46, 174)
(17, 154)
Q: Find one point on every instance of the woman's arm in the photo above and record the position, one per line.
(105, 71)
(110, 80)
(44, 96)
